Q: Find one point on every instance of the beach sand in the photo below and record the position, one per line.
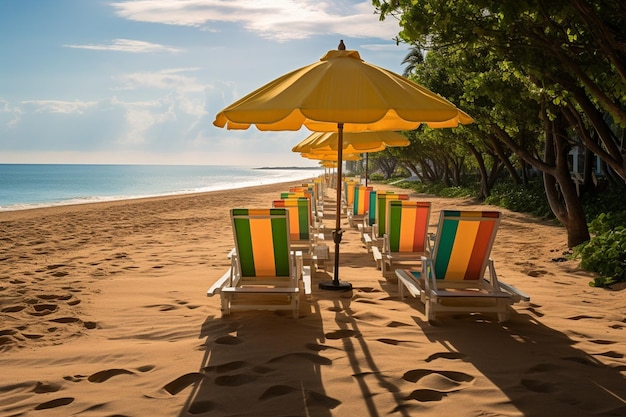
(103, 312)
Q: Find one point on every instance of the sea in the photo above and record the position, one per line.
(25, 186)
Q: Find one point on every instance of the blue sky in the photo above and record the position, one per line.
(140, 81)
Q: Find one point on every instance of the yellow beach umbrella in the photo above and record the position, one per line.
(338, 93)
(353, 142)
(321, 156)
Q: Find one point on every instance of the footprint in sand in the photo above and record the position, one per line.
(103, 376)
(394, 342)
(611, 354)
(341, 334)
(445, 355)
(582, 316)
(13, 309)
(65, 320)
(43, 309)
(602, 342)
(225, 367)
(183, 382)
(46, 388)
(59, 402)
(425, 395)
(451, 377)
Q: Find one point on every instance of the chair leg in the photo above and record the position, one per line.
(225, 304)
(428, 309)
(295, 302)
(504, 312)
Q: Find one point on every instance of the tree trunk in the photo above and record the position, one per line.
(560, 189)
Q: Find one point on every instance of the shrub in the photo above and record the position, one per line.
(606, 255)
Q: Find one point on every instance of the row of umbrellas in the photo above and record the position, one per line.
(341, 94)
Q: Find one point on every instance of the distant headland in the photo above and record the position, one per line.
(287, 168)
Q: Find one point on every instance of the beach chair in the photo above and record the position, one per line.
(302, 234)
(379, 228)
(365, 228)
(455, 278)
(348, 195)
(407, 239)
(316, 217)
(360, 205)
(265, 273)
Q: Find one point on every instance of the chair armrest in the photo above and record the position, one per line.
(517, 294)
(216, 288)
(409, 282)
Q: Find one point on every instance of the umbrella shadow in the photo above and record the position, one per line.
(260, 363)
(537, 368)
(368, 375)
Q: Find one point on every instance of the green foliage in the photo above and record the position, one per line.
(606, 255)
(531, 199)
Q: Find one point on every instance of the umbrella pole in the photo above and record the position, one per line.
(335, 284)
(366, 164)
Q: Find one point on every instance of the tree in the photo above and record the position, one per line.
(569, 59)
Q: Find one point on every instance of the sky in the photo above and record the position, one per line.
(140, 81)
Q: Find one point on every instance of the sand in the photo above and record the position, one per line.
(103, 312)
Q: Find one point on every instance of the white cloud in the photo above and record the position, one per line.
(59, 106)
(169, 79)
(9, 115)
(274, 19)
(127, 45)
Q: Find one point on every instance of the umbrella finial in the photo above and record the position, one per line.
(342, 46)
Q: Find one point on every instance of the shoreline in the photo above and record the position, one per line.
(104, 200)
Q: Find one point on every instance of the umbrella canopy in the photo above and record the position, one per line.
(340, 92)
(324, 156)
(352, 142)
(341, 88)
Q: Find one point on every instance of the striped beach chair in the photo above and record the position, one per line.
(360, 205)
(407, 239)
(265, 273)
(460, 275)
(316, 217)
(379, 228)
(348, 194)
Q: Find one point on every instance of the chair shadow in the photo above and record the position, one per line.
(257, 362)
(536, 367)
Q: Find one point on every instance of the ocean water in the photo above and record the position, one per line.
(24, 186)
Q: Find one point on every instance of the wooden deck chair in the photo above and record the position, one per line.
(316, 216)
(455, 278)
(407, 239)
(265, 273)
(368, 220)
(360, 205)
(320, 191)
(379, 228)
(348, 194)
(304, 236)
